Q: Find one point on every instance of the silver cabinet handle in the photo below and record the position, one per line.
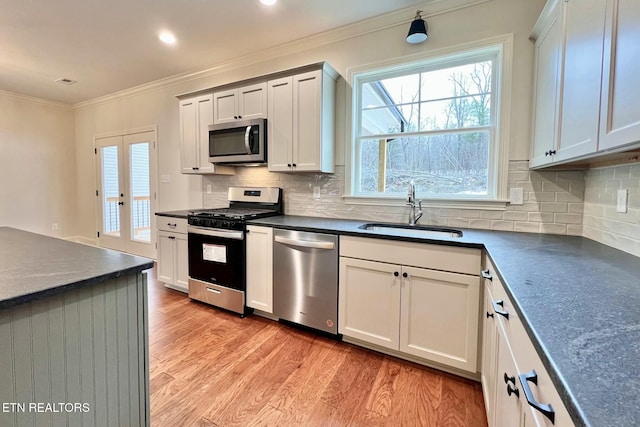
(246, 139)
(215, 291)
(304, 243)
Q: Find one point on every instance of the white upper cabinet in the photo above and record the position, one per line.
(620, 109)
(245, 103)
(586, 85)
(196, 114)
(582, 73)
(548, 50)
(301, 122)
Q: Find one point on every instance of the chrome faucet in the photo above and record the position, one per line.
(411, 201)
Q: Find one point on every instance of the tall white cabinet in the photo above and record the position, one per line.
(301, 121)
(196, 114)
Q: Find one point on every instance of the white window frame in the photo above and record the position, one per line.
(502, 48)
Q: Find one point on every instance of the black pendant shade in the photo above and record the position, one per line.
(418, 30)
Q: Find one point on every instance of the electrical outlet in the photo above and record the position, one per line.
(623, 196)
(55, 227)
(516, 196)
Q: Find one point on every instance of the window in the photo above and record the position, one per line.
(432, 122)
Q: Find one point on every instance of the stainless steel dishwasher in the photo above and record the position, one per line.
(305, 279)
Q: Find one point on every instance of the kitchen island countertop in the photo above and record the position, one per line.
(34, 266)
(579, 301)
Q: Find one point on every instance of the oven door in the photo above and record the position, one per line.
(217, 256)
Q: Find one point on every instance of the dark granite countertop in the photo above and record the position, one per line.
(579, 301)
(175, 214)
(34, 266)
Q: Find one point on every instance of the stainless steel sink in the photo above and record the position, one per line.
(412, 230)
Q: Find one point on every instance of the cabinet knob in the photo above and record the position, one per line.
(508, 379)
(503, 313)
(511, 391)
(546, 153)
(239, 117)
(405, 275)
(486, 274)
(489, 314)
(396, 274)
(552, 152)
(289, 165)
(121, 203)
(294, 165)
(195, 168)
(235, 117)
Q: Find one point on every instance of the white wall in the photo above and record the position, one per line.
(37, 165)
(343, 49)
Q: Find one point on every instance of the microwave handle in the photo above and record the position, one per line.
(247, 134)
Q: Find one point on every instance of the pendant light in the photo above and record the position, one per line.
(418, 30)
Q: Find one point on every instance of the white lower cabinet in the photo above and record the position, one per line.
(260, 268)
(428, 314)
(173, 261)
(518, 390)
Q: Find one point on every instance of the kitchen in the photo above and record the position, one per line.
(64, 167)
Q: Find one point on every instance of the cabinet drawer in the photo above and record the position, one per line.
(528, 361)
(176, 225)
(424, 255)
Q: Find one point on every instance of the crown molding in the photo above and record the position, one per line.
(35, 100)
(357, 29)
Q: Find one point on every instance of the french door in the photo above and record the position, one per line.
(126, 193)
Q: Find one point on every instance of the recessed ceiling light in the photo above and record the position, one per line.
(268, 2)
(167, 38)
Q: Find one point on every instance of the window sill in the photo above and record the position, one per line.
(494, 205)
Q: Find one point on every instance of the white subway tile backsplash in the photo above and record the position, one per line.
(558, 202)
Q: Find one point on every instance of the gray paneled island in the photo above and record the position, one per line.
(73, 333)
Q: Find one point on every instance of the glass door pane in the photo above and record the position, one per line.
(140, 203)
(110, 191)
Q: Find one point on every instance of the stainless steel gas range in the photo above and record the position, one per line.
(217, 253)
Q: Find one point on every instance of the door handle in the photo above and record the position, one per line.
(304, 243)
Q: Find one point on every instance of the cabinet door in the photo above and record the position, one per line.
(548, 49)
(620, 109)
(280, 124)
(307, 116)
(225, 106)
(181, 263)
(489, 356)
(252, 101)
(508, 394)
(582, 74)
(439, 317)
(205, 118)
(369, 303)
(166, 257)
(188, 135)
(260, 268)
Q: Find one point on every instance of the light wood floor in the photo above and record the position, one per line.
(212, 368)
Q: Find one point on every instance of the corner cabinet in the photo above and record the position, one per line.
(300, 122)
(517, 388)
(585, 84)
(196, 114)
(415, 299)
(260, 268)
(245, 103)
(173, 262)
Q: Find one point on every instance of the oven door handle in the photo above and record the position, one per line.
(305, 243)
(216, 232)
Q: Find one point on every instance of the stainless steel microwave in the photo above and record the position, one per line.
(239, 142)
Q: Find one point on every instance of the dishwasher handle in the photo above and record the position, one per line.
(305, 243)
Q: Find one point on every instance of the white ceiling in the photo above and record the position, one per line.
(112, 45)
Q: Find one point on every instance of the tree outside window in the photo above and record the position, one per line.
(432, 123)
